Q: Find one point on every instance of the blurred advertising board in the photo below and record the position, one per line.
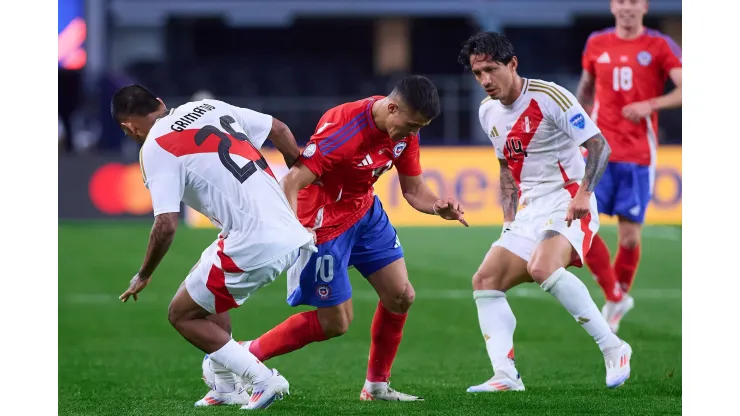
(100, 187)
(470, 174)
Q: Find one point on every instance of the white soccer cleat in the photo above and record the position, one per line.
(265, 393)
(209, 377)
(246, 382)
(499, 382)
(617, 362)
(383, 391)
(214, 398)
(613, 312)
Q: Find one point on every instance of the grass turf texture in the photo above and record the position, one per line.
(125, 359)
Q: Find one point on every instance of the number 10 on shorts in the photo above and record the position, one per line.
(325, 268)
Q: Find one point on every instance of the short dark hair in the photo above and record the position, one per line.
(496, 45)
(133, 100)
(420, 94)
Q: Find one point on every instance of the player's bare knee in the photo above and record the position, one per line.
(540, 270)
(408, 298)
(488, 281)
(630, 240)
(174, 315)
(400, 302)
(629, 233)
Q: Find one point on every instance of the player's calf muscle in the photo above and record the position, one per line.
(335, 320)
(223, 320)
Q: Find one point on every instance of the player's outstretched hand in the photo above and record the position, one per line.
(635, 112)
(450, 209)
(579, 207)
(137, 285)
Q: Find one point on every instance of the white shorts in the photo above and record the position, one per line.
(548, 213)
(217, 284)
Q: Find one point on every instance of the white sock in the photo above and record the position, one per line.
(573, 295)
(497, 323)
(240, 361)
(225, 379)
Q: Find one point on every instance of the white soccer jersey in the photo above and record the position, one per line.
(205, 154)
(539, 136)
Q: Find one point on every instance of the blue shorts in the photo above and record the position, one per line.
(624, 190)
(320, 279)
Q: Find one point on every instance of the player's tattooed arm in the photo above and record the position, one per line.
(284, 141)
(585, 91)
(160, 239)
(598, 157)
(509, 191)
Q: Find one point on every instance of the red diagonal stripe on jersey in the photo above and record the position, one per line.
(523, 131)
(181, 143)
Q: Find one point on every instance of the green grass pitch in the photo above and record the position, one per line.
(125, 359)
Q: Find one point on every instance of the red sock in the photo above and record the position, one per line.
(292, 334)
(386, 333)
(598, 260)
(626, 265)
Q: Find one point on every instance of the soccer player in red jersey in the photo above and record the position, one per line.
(331, 189)
(625, 69)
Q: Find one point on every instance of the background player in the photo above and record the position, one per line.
(536, 128)
(204, 154)
(353, 145)
(625, 69)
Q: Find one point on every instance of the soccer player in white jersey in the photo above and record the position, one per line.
(205, 154)
(536, 128)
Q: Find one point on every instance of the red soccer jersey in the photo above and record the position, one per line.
(348, 153)
(627, 71)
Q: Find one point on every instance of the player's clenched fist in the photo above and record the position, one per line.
(579, 207)
(450, 209)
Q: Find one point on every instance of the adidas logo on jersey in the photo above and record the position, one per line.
(323, 127)
(604, 58)
(367, 161)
